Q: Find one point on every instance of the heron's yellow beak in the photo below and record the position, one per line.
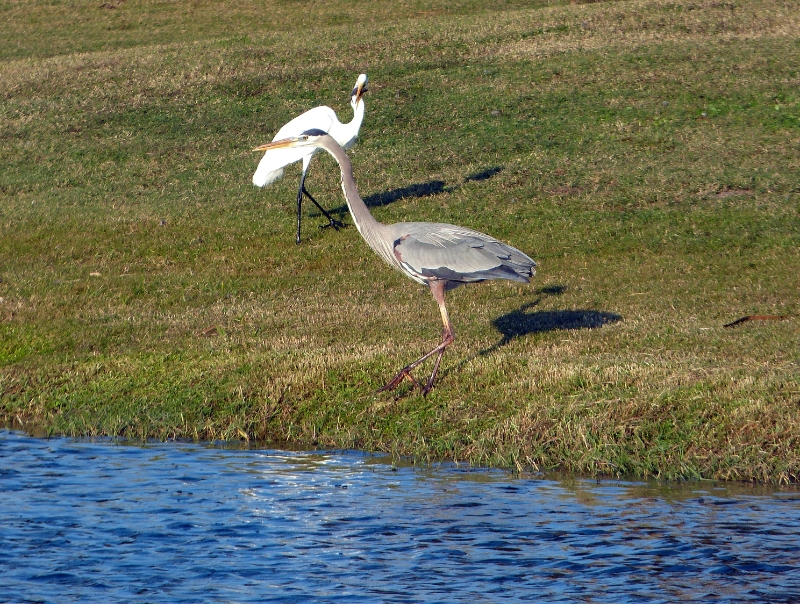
(286, 142)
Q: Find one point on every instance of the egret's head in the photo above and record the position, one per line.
(309, 138)
(359, 90)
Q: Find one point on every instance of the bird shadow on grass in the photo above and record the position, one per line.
(522, 322)
(427, 189)
(376, 200)
(421, 189)
(484, 174)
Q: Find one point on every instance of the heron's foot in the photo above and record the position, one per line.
(336, 224)
(429, 386)
(405, 372)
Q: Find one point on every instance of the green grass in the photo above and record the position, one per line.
(646, 153)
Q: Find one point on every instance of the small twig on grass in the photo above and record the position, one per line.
(757, 318)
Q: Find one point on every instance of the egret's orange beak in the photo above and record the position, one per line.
(360, 89)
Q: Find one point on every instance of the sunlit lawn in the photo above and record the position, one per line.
(646, 153)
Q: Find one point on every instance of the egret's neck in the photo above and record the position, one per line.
(358, 115)
(346, 134)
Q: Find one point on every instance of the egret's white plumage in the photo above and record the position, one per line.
(322, 118)
(442, 256)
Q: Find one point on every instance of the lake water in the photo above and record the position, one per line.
(106, 522)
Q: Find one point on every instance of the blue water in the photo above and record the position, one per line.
(104, 522)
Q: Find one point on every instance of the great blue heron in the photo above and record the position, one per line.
(322, 118)
(442, 256)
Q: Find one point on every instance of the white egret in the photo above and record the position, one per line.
(322, 118)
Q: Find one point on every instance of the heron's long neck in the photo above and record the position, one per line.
(369, 228)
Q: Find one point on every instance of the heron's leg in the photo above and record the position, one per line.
(332, 222)
(405, 372)
(448, 337)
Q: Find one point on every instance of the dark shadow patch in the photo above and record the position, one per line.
(424, 189)
(484, 175)
(552, 290)
(428, 189)
(520, 323)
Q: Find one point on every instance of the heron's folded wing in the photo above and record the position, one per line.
(435, 251)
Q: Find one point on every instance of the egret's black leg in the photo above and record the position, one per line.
(299, 203)
(332, 222)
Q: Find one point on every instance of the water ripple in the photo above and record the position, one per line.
(105, 522)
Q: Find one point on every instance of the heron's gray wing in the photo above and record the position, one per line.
(451, 253)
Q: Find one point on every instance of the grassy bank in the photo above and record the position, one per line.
(646, 153)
